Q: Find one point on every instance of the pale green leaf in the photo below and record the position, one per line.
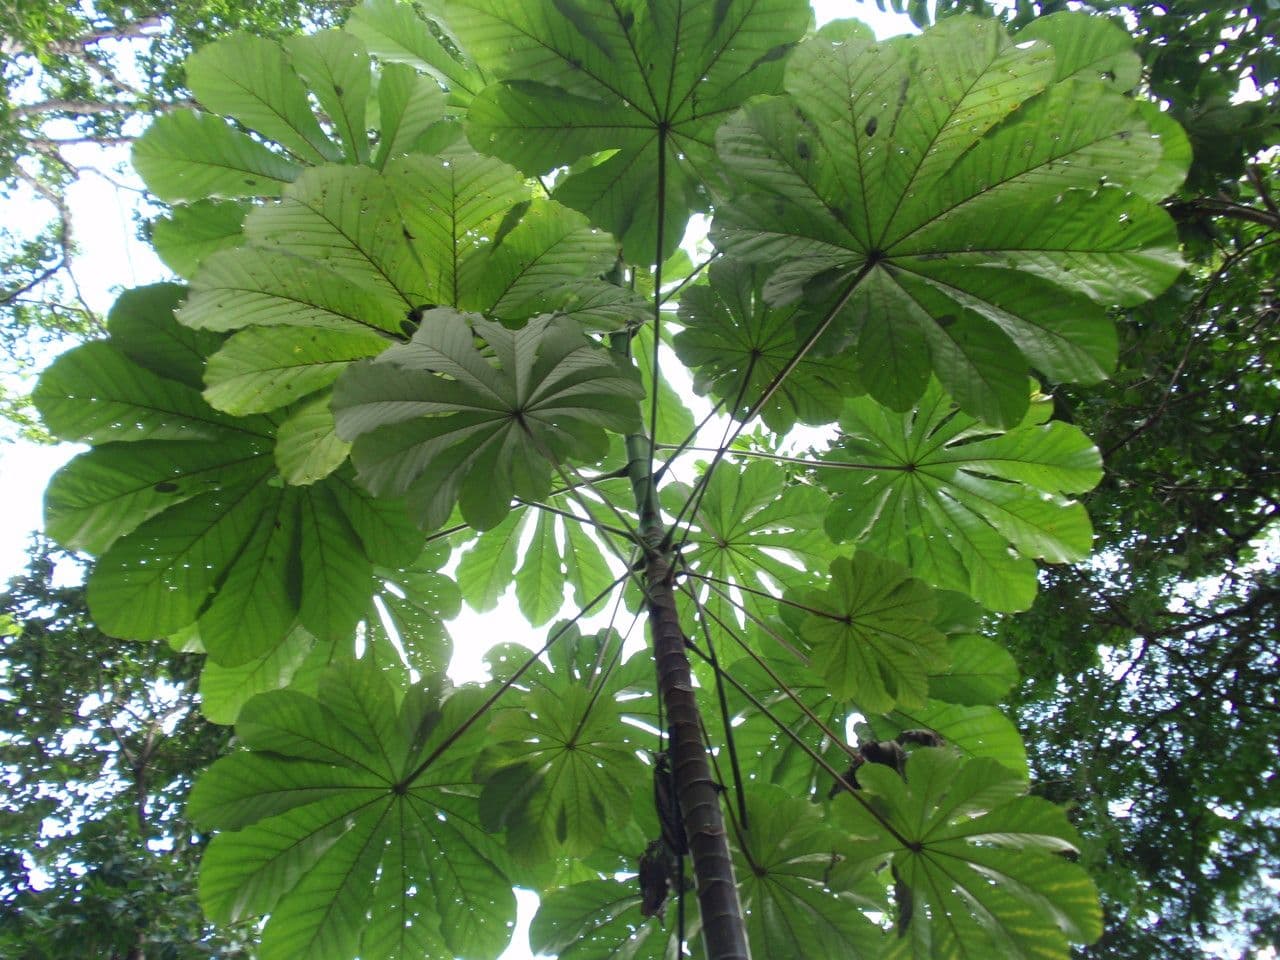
(540, 580)
(737, 344)
(872, 633)
(408, 106)
(395, 33)
(263, 368)
(955, 182)
(980, 862)
(307, 449)
(335, 66)
(251, 79)
(911, 491)
(189, 234)
(308, 849)
(194, 156)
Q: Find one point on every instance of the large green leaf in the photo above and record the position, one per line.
(872, 635)
(195, 156)
(263, 368)
(601, 920)
(191, 156)
(189, 234)
(559, 773)
(642, 85)
(201, 528)
(344, 809)
(978, 866)
(396, 33)
(737, 344)
(956, 202)
(749, 516)
(251, 80)
(438, 421)
(940, 492)
(784, 871)
(357, 256)
(335, 67)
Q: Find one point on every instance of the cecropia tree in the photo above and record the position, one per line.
(427, 346)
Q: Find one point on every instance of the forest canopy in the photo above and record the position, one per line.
(965, 315)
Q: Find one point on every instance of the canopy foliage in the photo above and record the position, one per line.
(423, 350)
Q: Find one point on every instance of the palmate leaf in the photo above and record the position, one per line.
(645, 83)
(948, 497)
(776, 757)
(784, 872)
(185, 507)
(751, 529)
(191, 156)
(559, 773)
(439, 422)
(981, 861)
(561, 767)
(194, 157)
(601, 920)
(562, 553)
(403, 633)
(962, 206)
(345, 809)
(354, 256)
(737, 344)
(871, 633)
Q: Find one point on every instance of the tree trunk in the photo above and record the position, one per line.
(723, 930)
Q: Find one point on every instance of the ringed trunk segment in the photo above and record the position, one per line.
(723, 928)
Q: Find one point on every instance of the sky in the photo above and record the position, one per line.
(112, 259)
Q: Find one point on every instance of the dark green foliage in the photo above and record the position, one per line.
(99, 741)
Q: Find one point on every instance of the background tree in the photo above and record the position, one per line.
(1151, 672)
(100, 739)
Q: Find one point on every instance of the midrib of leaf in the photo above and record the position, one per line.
(275, 294)
(559, 55)
(972, 197)
(942, 127)
(356, 246)
(318, 155)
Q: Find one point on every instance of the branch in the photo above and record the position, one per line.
(1228, 209)
(138, 30)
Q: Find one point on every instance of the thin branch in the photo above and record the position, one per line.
(697, 271)
(1230, 210)
(143, 29)
(1254, 173)
(764, 593)
(602, 527)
